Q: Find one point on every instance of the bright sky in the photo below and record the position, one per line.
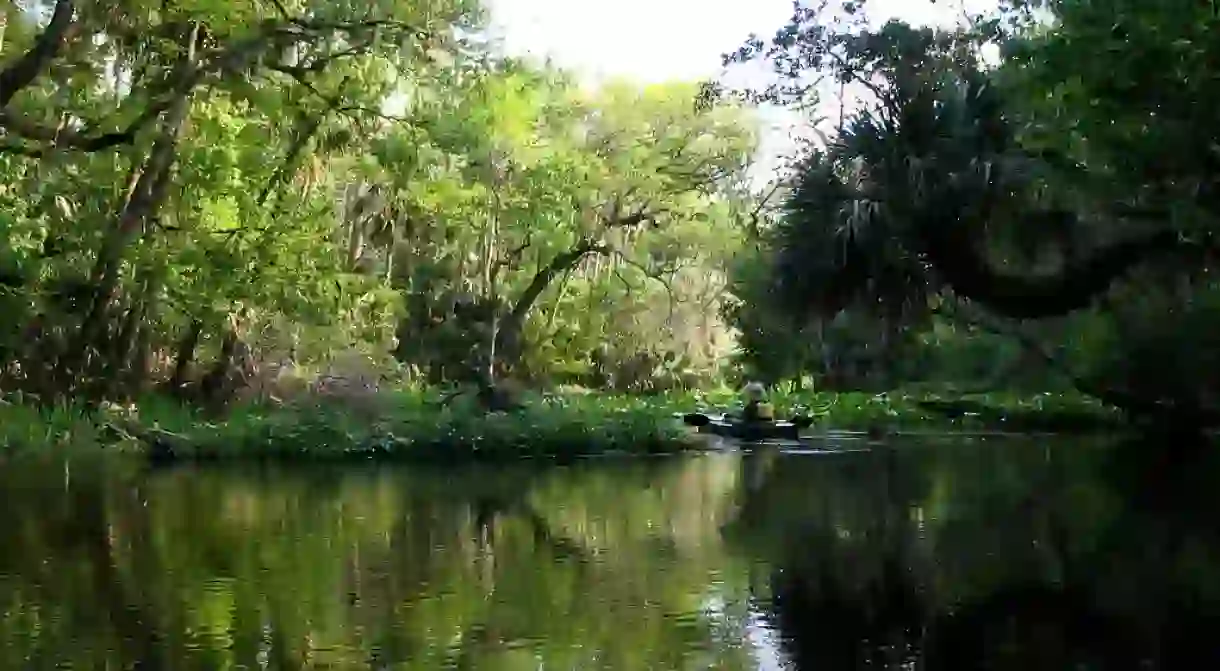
(659, 40)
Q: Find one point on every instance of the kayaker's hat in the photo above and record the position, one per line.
(755, 391)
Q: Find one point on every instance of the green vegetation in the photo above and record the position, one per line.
(385, 425)
(415, 425)
(230, 208)
(1045, 221)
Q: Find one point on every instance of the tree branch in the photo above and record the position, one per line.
(281, 174)
(756, 213)
(186, 77)
(334, 102)
(234, 58)
(26, 69)
(649, 273)
(511, 257)
(639, 215)
(510, 327)
(951, 248)
(62, 138)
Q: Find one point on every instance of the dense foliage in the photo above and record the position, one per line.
(1059, 199)
(218, 198)
(201, 194)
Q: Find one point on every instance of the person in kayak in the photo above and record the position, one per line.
(757, 409)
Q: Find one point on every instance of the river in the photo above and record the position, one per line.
(999, 555)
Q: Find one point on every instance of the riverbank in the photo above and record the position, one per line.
(419, 425)
(385, 424)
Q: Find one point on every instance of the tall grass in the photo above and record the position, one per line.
(26, 426)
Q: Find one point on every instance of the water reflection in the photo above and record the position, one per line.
(1022, 556)
(1032, 558)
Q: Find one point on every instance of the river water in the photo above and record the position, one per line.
(995, 555)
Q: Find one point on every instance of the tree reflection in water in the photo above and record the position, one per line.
(982, 558)
(601, 566)
(977, 556)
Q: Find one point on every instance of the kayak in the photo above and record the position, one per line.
(749, 431)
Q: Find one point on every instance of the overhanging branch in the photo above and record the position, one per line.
(26, 69)
(64, 138)
(234, 59)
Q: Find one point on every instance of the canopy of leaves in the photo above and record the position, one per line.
(262, 183)
(1034, 188)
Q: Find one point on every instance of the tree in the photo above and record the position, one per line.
(112, 117)
(962, 181)
(558, 189)
(205, 194)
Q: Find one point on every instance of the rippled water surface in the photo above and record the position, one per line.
(997, 555)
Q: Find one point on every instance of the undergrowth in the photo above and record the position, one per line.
(415, 424)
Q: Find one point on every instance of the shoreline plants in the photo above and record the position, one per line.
(418, 425)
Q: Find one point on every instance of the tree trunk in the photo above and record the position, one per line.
(186, 355)
(139, 364)
(355, 241)
(510, 327)
(145, 195)
(118, 365)
(214, 386)
(122, 344)
(136, 362)
(491, 290)
(46, 47)
(306, 130)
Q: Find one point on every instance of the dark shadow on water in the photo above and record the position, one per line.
(1058, 558)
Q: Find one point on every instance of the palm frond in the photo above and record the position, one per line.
(852, 224)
